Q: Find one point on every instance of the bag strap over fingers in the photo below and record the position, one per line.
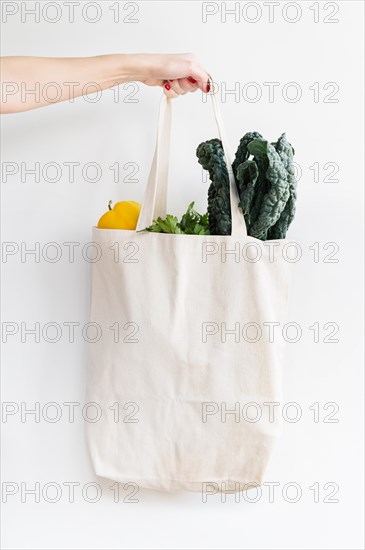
(155, 199)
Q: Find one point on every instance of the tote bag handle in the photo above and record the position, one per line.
(155, 198)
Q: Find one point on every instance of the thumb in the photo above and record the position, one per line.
(202, 79)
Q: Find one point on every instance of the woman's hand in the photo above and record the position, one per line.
(26, 80)
(177, 73)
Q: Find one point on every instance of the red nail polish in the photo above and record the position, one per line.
(192, 80)
(170, 80)
(208, 88)
(167, 86)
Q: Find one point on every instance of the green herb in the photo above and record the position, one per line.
(191, 223)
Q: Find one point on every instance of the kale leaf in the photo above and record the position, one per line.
(265, 179)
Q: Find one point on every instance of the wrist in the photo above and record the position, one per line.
(132, 67)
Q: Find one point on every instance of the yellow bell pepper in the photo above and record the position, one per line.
(124, 215)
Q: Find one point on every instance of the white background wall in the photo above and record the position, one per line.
(109, 131)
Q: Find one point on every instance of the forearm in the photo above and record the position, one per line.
(20, 76)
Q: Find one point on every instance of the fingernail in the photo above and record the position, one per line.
(167, 86)
(208, 88)
(192, 80)
(170, 80)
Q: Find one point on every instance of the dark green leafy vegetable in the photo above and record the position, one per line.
(211, 156)
(243, 153)
(272, 195)
(247, 176)
(286, 153)
(265, 182)
(265, 179)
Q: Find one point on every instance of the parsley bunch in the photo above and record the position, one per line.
(191, 223)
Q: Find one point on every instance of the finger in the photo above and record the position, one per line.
(187, 84)
(156, 82)
(175, 86)
(201, 78)
(168, 91)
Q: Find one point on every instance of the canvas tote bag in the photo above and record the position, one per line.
(185, 365)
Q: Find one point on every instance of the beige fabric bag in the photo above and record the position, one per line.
(179, 373)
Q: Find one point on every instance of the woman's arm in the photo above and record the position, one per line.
(32, 82)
